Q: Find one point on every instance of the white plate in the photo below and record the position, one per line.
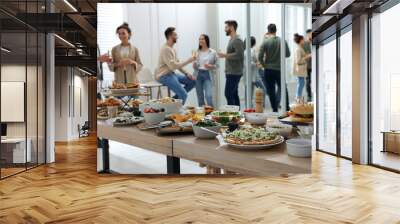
(131, 121)
(250, 147)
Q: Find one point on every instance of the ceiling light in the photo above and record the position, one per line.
(5, 50)
(338, 6)
(84, 71)
(64, 40)
(70, 5)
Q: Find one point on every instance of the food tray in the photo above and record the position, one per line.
(174, 130)
(124, 91)
(136, 120)
(287, 120)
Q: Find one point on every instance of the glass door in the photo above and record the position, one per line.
(327, 96)
(385, 89)
(346, 93)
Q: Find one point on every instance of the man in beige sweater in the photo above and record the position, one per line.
(168, 63)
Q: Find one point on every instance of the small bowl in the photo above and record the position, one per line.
(200, 133)
(256, 118)
(299, 147)
(284, 130)
(154, 118)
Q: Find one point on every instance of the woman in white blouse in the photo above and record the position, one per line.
(204, 66)
(126, 62)
(300, 64)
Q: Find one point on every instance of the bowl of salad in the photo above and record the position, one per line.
(199, 132)
(224, 117)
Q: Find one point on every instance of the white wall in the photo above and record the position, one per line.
(69, 85)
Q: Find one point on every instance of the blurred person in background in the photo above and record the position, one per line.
(307, 49)
(270, 58)
(300, 65)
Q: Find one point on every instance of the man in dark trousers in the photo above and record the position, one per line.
(270, 58)
(234, 57)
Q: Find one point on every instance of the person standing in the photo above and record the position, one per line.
(125, 61)
(307, 49)
(300, 64)
(168, 63)
(204, 66)
(270, 58)
(256, 71)
(234, 57)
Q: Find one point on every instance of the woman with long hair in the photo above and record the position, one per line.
(205, 64)
(126, 62)
(300, 64)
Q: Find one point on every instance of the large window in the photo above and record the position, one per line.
(22, 77)
(385, 89)
(346, 93)
(327, 94)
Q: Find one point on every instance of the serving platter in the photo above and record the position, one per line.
(124, 91)
(130, 121)
(287, 120)
(250, 147)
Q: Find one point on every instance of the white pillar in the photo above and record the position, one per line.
(283, 59)
(360, 90)
(50, 99)
(248, 76)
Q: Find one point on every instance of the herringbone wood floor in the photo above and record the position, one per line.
(70, 191)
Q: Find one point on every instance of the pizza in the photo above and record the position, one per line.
(252, 136)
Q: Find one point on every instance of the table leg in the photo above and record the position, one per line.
(159, 94)
(173, 165)
(105, 155)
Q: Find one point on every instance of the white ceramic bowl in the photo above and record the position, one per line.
(256, 118)
(170, 108)
(281, 129)
(154, 118)
(299, 147)
(200, 133)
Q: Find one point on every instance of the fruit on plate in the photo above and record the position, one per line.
(252, 136)
(148, 110)
(249, 110)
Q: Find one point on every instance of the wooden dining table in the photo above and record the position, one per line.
(273, 161)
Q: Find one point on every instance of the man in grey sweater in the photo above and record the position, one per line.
(270, 58)
(234, 63)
